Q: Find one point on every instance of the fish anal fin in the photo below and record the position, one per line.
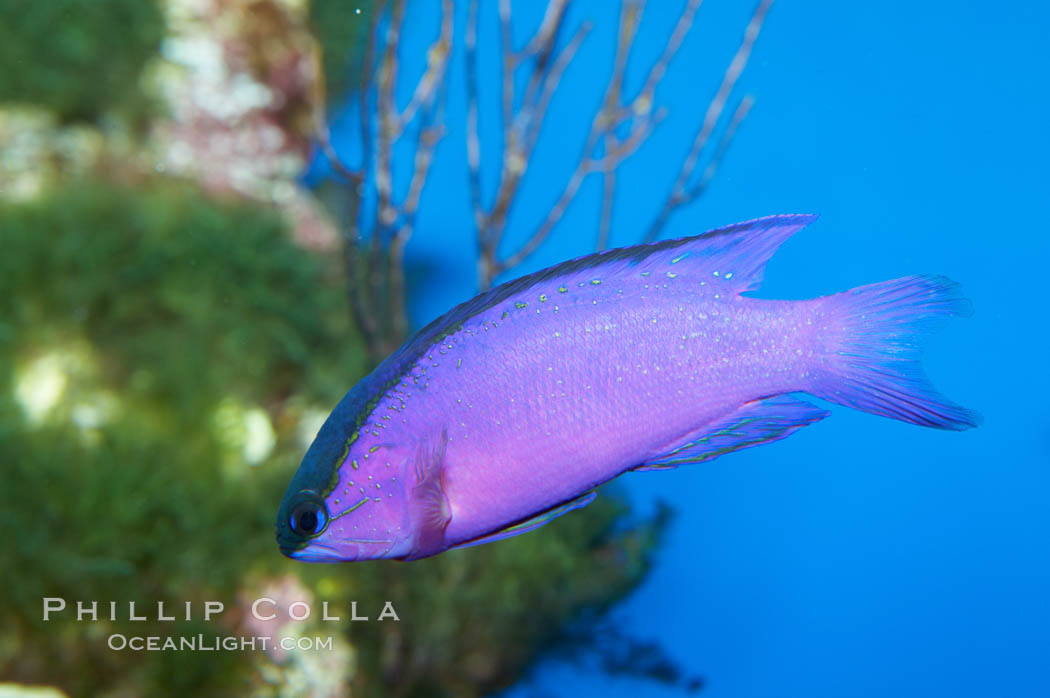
(531, 524)
(428, 507)
(754, 423)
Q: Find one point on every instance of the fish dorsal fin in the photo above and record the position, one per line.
(532, 523)
(735, 255)
(428, 508)
(754, 423)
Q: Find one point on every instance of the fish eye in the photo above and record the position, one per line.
(309, 516)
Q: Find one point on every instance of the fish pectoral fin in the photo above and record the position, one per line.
(428, 507)
(533, 523)
(754, 423)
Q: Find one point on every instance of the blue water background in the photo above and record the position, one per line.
(862, 556)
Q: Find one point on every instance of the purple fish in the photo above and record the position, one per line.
(512, 408)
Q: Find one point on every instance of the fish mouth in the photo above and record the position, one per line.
(314, 552)
(319, 552)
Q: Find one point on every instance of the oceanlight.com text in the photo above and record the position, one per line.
(201, 643)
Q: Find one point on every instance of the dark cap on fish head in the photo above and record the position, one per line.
(303, 515)
(307, 526)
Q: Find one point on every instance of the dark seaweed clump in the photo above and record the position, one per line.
(81, 59)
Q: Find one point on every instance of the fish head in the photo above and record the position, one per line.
(316, 528)
(341, 505)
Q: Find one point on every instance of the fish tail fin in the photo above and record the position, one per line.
(872, 351)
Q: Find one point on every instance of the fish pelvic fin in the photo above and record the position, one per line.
(872, 349)
(532, 523)
(429, 511)
(753, 424)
